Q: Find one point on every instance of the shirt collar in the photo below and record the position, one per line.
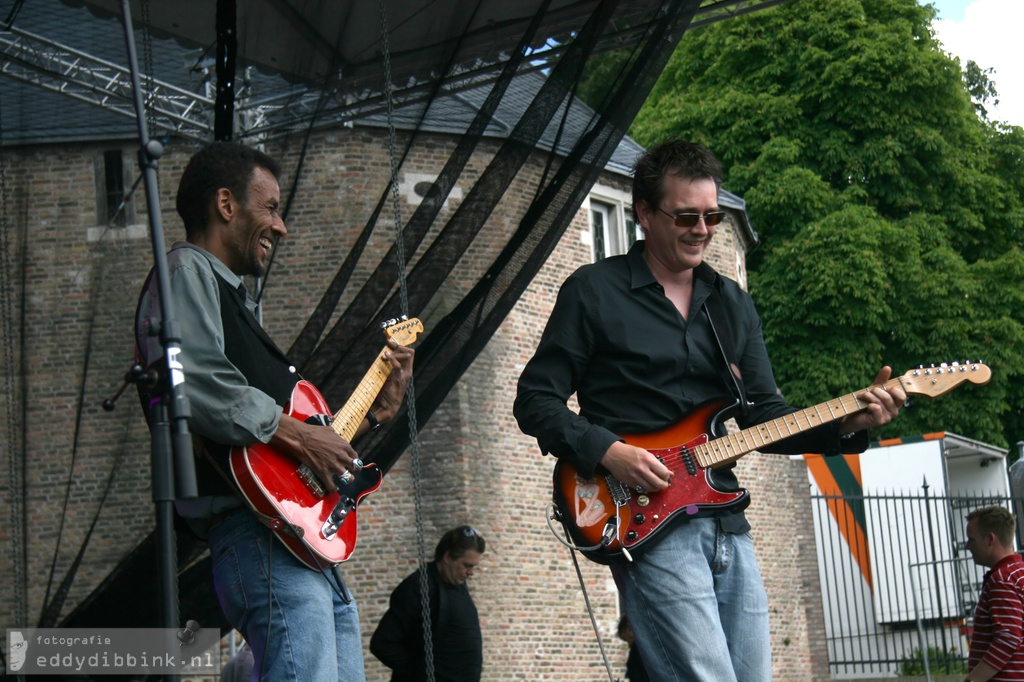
(224, 271)
(1006, 560)
(641, 275)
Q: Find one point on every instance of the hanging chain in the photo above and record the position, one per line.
(428, 641)
(147, 63)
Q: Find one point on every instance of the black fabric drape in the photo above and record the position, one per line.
(448, 350)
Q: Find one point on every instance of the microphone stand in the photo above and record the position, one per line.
(171, 458)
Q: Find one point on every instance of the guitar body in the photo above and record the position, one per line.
(592, 508)
(297, 503)
(606, 520)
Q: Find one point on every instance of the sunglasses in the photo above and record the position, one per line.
(469, 532)
(711, 218)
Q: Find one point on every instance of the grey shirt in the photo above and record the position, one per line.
(224, 407)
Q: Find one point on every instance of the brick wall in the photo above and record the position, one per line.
(475, 465)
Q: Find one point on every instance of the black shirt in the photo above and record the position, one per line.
(637, 366)
(457, 644)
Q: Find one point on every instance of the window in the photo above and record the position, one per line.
(111, 182)
(612, 227)
(599, 229)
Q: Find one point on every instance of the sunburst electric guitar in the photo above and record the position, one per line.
(317, 521)
(606, 520)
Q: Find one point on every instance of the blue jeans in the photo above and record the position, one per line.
(313, 634)
(697, 606)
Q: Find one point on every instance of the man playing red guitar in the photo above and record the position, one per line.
(632, 338)
(238, 383)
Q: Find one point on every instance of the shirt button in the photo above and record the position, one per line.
(291, 368)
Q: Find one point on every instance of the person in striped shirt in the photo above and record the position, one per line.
(997, 643)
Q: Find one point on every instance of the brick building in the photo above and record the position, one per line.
(74, 279)
(476, 466)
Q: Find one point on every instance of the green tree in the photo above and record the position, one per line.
(891, 212)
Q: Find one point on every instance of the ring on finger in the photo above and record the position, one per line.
(357, 464)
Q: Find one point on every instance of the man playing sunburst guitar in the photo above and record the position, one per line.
(304, 624)
(631, 336)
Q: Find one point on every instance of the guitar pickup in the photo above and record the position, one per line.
(688, 462)
(337, 517)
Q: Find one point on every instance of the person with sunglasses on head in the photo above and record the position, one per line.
(632, 337)
(456, 640)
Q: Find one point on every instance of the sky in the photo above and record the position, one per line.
(988, 32)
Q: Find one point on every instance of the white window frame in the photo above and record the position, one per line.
(616, 209)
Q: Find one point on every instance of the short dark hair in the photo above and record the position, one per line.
(996, 520)
(219, 165)
(458, 541)
(682, 159)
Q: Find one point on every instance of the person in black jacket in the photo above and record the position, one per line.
(635, 671)
(456, 640)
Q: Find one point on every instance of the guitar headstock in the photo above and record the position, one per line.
(403, 331)
(933, 381)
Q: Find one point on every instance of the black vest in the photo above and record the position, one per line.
(249, 348)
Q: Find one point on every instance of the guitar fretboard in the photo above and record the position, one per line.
(346, 422)
(932, 381)
(731, 447)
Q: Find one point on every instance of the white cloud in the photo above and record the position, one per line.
(990, 35)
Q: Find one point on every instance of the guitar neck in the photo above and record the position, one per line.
(729, 448)
(346, 422)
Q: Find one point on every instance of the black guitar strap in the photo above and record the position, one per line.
(722, 332)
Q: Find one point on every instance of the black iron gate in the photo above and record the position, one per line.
(898, 586)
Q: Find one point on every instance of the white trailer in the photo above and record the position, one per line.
(897, 582)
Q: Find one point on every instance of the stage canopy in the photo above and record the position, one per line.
(272, 67)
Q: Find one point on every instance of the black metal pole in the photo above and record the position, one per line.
(171, 440)
(227, 47)
(935, 576)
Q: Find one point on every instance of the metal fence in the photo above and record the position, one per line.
(898, 586)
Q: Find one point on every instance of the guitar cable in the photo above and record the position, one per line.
(270, 599)
(341, 589)
(590, 611)
(610, 532)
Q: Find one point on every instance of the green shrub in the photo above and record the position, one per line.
(939, 661)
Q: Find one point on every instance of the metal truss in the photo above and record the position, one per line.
(61, 69)
(282, 114)
(58, 68)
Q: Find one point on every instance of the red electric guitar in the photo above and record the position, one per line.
(316, 522)
(606, 520)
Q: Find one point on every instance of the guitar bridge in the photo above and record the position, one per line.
(311, 480)
(620, 494)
